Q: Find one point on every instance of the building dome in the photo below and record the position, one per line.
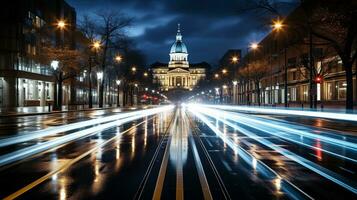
(178, 47)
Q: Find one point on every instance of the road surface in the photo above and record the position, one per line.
(182, 152)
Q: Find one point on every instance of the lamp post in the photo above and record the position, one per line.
(253, 46)
(54, 65)
(118, 90)
(57, 104)
(278, 26)
(118, 59)
(99, 77)
(94, 47)
(235, 83)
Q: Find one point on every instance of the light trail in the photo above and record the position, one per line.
(66, 165)
(272, 129)
(291, 190)
(24, 137)
(351, 186)
(287, 129)
(34, 149)
(327, 115)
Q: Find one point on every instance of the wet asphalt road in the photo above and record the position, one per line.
(181, 154)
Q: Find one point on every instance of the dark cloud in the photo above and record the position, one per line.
(209, 27)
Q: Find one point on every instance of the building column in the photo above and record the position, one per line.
(9, 92)
(35, 89)
(43, 94)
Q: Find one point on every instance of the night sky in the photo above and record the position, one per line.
(209, 27)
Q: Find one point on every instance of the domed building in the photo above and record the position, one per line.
(178, 73)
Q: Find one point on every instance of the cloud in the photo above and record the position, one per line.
(209, 27)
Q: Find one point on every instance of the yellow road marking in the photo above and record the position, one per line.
(179, 167)
(63, 167)
(162, 173)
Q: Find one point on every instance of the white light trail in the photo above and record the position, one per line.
(278, 130)
(287, 129)
(351, 186)
(291, 190)
(23, 137)
(34, 149)
(327, 115)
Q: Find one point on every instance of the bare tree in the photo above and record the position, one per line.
(89, 30)
(254, 71)
(68, 67)
(111, 26)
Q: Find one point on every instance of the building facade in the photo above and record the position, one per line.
(178, 73)
(23, 82)
(287, 72)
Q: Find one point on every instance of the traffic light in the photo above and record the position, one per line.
(318, 79)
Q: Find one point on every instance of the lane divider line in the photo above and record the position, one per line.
(152, 162)
(179, 167)
(162, 172)
(207, 195)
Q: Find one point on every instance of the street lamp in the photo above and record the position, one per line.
(136, 85)
(216, 75)
(54, 64)
(277, 25)
(100, 75)
(254, 46)
(96, 45)
(235, 83)
(61, 24)
(133, 69)
(118, 82)
(145, 74)
(235, 59)
(118, 58)
(224, 71)
(146, 89)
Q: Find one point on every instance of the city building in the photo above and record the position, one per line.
(289, 57)
(23, 82)
(178, 73)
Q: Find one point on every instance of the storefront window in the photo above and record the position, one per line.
(329, 91)
(342, 90)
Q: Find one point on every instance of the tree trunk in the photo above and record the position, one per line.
(258, 92)
(118, 97)
(101, 93)
(55, 96)
(90, 100)
(60, 93)
(349, 80)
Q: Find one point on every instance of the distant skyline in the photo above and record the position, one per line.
(209, 27)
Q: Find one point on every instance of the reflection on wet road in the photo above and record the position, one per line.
(187, 152)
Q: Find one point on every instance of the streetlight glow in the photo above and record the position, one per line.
(133, 69)
(235, 83)
(254, 46)
(118, 82)
(118, 58)
(54, 64)
(216, 75)
(100, 75)
(224, 71)
(61, 24)
(145, 74)
(96, 45)
(277, 25)
(235, 59)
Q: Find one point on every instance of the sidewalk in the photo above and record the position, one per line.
(42, 110)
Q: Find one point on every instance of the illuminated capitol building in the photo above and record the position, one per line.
(178, 73)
